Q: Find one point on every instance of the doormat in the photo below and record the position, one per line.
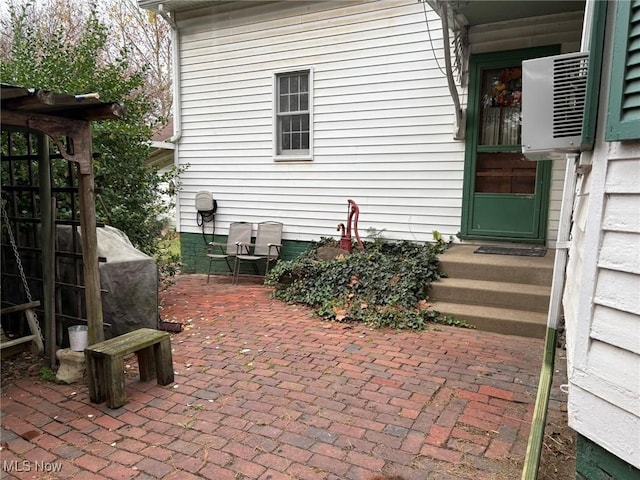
(519, 252)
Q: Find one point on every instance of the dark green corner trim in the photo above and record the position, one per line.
(596, 46)
(595, 463)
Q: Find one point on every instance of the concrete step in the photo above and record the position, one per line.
(489, 293)
(498, 293)
(499, 320)
(459, 261)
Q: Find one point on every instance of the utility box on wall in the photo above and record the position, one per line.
(553, 102)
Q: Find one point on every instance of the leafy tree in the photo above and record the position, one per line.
(147, 38)
(41, 56)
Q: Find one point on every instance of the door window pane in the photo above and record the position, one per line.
(500, 107)
(505, 173)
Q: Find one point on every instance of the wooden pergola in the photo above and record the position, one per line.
(65, 120)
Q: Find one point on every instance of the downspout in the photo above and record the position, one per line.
(177, 103)
(460, 121)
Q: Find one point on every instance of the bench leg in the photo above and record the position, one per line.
(95, 377)
(164, 361)
(146, 364)
(114, 381)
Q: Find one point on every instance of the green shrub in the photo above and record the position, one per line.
(167, 258)
(384, 286)
(47, 375)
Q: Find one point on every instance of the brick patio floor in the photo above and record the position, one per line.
(265, 390)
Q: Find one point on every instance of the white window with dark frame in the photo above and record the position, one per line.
(293, 132)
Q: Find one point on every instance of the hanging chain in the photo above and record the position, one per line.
(12, 240)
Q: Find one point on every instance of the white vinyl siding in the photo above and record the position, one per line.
(382, 119)
(604, 327)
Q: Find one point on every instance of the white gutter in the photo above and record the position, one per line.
(162, 145)
(177, 103)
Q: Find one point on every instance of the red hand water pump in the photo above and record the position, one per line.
(352, 217)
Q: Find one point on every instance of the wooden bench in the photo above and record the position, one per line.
(105, 363)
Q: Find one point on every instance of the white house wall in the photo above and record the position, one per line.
(382, 120)
(602, 302)
(382, 117)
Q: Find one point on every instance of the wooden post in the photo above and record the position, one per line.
(90, 253)
(54, 275)
(47, 239)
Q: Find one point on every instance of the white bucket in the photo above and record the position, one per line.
(78, 337)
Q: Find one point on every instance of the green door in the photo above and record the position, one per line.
(505, 197)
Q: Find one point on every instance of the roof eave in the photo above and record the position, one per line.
(470, 13)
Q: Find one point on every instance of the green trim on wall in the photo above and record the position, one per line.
(592, 99)
(195, 260)
(595, 463)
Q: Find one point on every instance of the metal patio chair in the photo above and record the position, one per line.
(239, 232)
(267, 247)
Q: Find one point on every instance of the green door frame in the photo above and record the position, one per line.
(477, 63)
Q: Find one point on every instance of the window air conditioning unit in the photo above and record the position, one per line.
(553, 102)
